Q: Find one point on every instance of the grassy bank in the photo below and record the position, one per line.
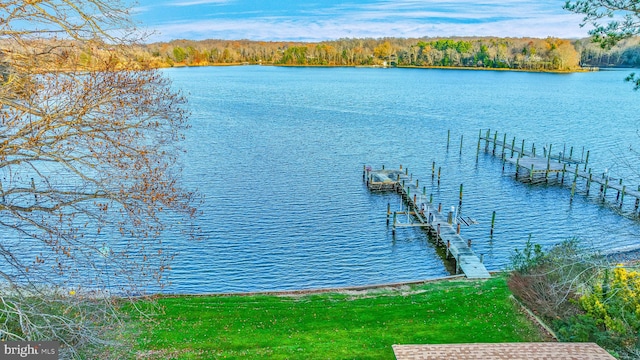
(360, 325)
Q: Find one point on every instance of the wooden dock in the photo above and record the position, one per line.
(444, 229)
(538, 168)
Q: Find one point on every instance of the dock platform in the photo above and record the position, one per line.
(444, 229)
(534, 168)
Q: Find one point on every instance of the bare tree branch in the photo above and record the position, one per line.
(88, 173)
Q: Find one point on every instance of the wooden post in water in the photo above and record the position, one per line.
(573, 186)
(513, 145)
(522, 149)
(439, 171)
(504, 143)
(517, 166)
(564, 170)
(533, 149)
(589, 180)
(571, 153)
(461, 137)
(624, 187)
(504, 160)
(546, 173)
(531, 174)
(458, 229)
(618, 195)
(495, 142)
(586, 161)
(478, 149)
(433, 170)
(548, 163)
(439, 207)
(460, 203)
(393, 229)
(448, 138)
(493, 221)
(388, 212)
(635, 209)
(486, 142)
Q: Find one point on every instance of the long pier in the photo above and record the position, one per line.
(445, 230)
(533, 168)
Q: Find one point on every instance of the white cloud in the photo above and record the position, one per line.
(385, 18)
(284, 29)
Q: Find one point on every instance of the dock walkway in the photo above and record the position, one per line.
(536, 169)
(425, 215)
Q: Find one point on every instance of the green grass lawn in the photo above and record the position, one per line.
(357, 325)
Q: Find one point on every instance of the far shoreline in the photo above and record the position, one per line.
(580, 70)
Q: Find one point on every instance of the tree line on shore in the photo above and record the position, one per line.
(550, 54)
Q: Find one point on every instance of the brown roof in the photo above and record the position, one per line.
(503, 351)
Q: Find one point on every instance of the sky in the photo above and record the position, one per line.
(318, 20)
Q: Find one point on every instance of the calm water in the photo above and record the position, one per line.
(278, 154)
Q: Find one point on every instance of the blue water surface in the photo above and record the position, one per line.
(278, 155)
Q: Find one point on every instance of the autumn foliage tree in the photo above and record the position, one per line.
(88, 175)
(612, 22)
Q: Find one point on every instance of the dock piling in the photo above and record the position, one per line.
(486, 143)
(586, 161)
(504, 142)
(388, 212)
(395, 216)
(478, 149)
(495, 142)
(493, 221)
(513, 145)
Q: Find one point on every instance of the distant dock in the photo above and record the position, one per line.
(444, 229)
(535, 166)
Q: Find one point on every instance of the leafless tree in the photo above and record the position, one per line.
(88, 172)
